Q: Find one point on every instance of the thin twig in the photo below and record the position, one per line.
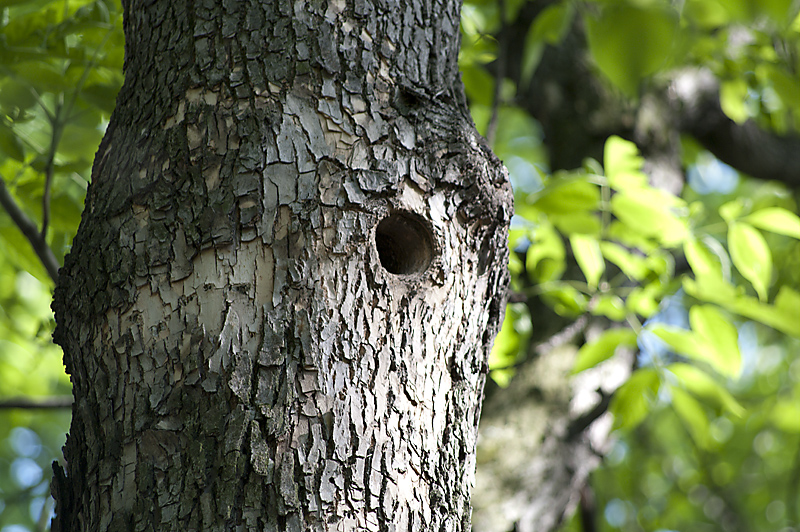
(28, 228)
(57, 127)
(27, 403)
(62, 114)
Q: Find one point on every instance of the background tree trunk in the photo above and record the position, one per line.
(291, 266)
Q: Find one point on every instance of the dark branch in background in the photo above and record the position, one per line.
(746, 147)
(26, 403)
(588, 509)
(577, 112)
(580, 424)
(30, 231)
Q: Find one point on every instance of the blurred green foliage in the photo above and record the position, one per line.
(60, 70)
(713, 405)
(708, 425)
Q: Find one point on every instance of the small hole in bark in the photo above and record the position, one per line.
(404, 244)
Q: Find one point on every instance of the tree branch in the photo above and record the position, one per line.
(27, 403)
(580, 424)
(746, 147)
(28, 228)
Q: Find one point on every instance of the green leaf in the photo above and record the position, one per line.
(633, 400)
(732, 98)
(603, 348)
(552, 23)
(711, 287)
(478, 83)
(621, 156)
(610, 306)
(776, 220)
(712, 340)
(644, 300)
(720, 339)
(786, 86)
(700, 258)
(564, 298)
(545, 258)
(508, 344)
(653, 213)
(10, 143)
(683, 341)
(631, 42)
(694, 418)
(15, 94)
(708, 13)
(783, 316)
(568, 195)
(751, 256)
(702, 385)
(786, 415)
(589, 258)
(788, 300)
(583, 222)
(631, 264)
(732, 210)
(21, 252)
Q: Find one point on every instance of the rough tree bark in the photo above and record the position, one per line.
(277, 312)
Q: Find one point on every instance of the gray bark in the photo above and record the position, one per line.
(277, 312)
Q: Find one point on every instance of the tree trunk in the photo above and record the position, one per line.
(291, 266)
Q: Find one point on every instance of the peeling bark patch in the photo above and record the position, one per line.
(404, 244)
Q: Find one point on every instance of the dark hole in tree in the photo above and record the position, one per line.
(404, 244)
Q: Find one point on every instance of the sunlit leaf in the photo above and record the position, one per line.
(545, 258)
(508, 344)
(589, 258)
(702, 385)
(732, 95)
(610, 306)
(720, 338)
(681, 340)
(783, 316)
(621, 156)
(583, 222)
(631, 264)
(651, 212)
(751, 256)
(568, 195)
(776, 220)
(732, 209)
(643, 300)
(700, 258)
(785, 415)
